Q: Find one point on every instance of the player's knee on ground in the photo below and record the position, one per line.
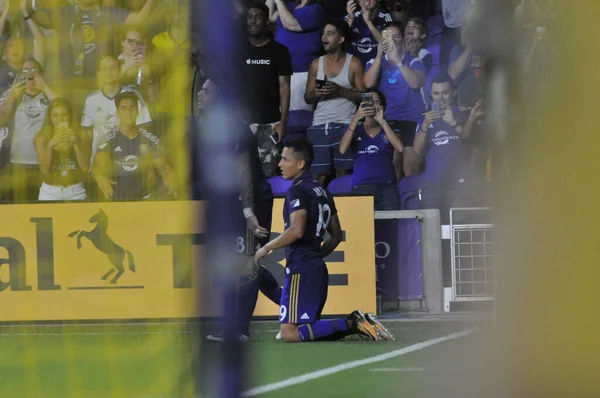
(289, 333)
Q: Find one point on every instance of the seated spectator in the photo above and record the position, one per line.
(467, 71)
(415, 34)
(127, 157)
(63, 154)
(86, 31)
(448, 179)
(399, 76)
(23, 108)
(299, 25)
(16, 48)
(365, 28)
(265, 87)
(335, 82)
(99, 113)
(373, 142)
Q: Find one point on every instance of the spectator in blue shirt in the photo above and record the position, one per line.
(373, 143)
(365, 28)
(399, 76)
(299, 25)
(415, 34)
(448, 179)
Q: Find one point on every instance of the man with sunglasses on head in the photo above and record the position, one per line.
(23, 108)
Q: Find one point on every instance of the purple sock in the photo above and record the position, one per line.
(268, 285)
(324, 330)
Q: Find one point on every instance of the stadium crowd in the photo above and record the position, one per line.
(390, 93)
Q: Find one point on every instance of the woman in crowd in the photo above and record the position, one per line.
(415, 34)
(63, 154)
(399, 76)
(133, 58)
(373, 143)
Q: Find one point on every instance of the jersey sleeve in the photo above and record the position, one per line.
(418, 66)
(296, 199)
(421, 120)
(87, 120)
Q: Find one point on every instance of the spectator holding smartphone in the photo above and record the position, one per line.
(135, 70)
(399, 76)
(335, 82)
(373, 143)
(63, 154)
(266, 72)
(366, 21)
(448, 179)
(23, 107)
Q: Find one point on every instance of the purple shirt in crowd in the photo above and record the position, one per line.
(446, 155)
(373, 158)
(362, 43)
(403, 102)
(304, 46)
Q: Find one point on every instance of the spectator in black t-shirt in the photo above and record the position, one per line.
(265, 85)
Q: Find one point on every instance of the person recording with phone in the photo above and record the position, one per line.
(23, 107)
(366, 20)
(374, 143)
(399, 76)
(63, 154)
(135, 68)
(334, 86)
(448, 179)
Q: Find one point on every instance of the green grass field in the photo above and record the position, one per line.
(147, 360)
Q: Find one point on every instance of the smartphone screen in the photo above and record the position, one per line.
(436, 107)
(275, 137)
(366, 99)
(63, 126)
(321, 83)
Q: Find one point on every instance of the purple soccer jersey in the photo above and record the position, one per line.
(362, 44)
(403, 102)
(446, 154)
(306, 194)
(373, 159)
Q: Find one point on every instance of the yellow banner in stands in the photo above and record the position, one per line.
(134, 261)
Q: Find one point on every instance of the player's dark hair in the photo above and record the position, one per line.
(125, 95)
(382, 99)
(260, 6)
(442, 77)
(304, 150)
(340, 26)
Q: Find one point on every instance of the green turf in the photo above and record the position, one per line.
(142, 360)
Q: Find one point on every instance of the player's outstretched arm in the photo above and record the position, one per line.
(335, 236)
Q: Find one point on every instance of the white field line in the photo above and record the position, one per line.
(351, 365)
(397, 370)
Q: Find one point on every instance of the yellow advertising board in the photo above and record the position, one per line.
(83, 261)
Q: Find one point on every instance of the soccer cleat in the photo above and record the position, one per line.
(278, 337)
(218, 338)
(384, 334)
(362, 326)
